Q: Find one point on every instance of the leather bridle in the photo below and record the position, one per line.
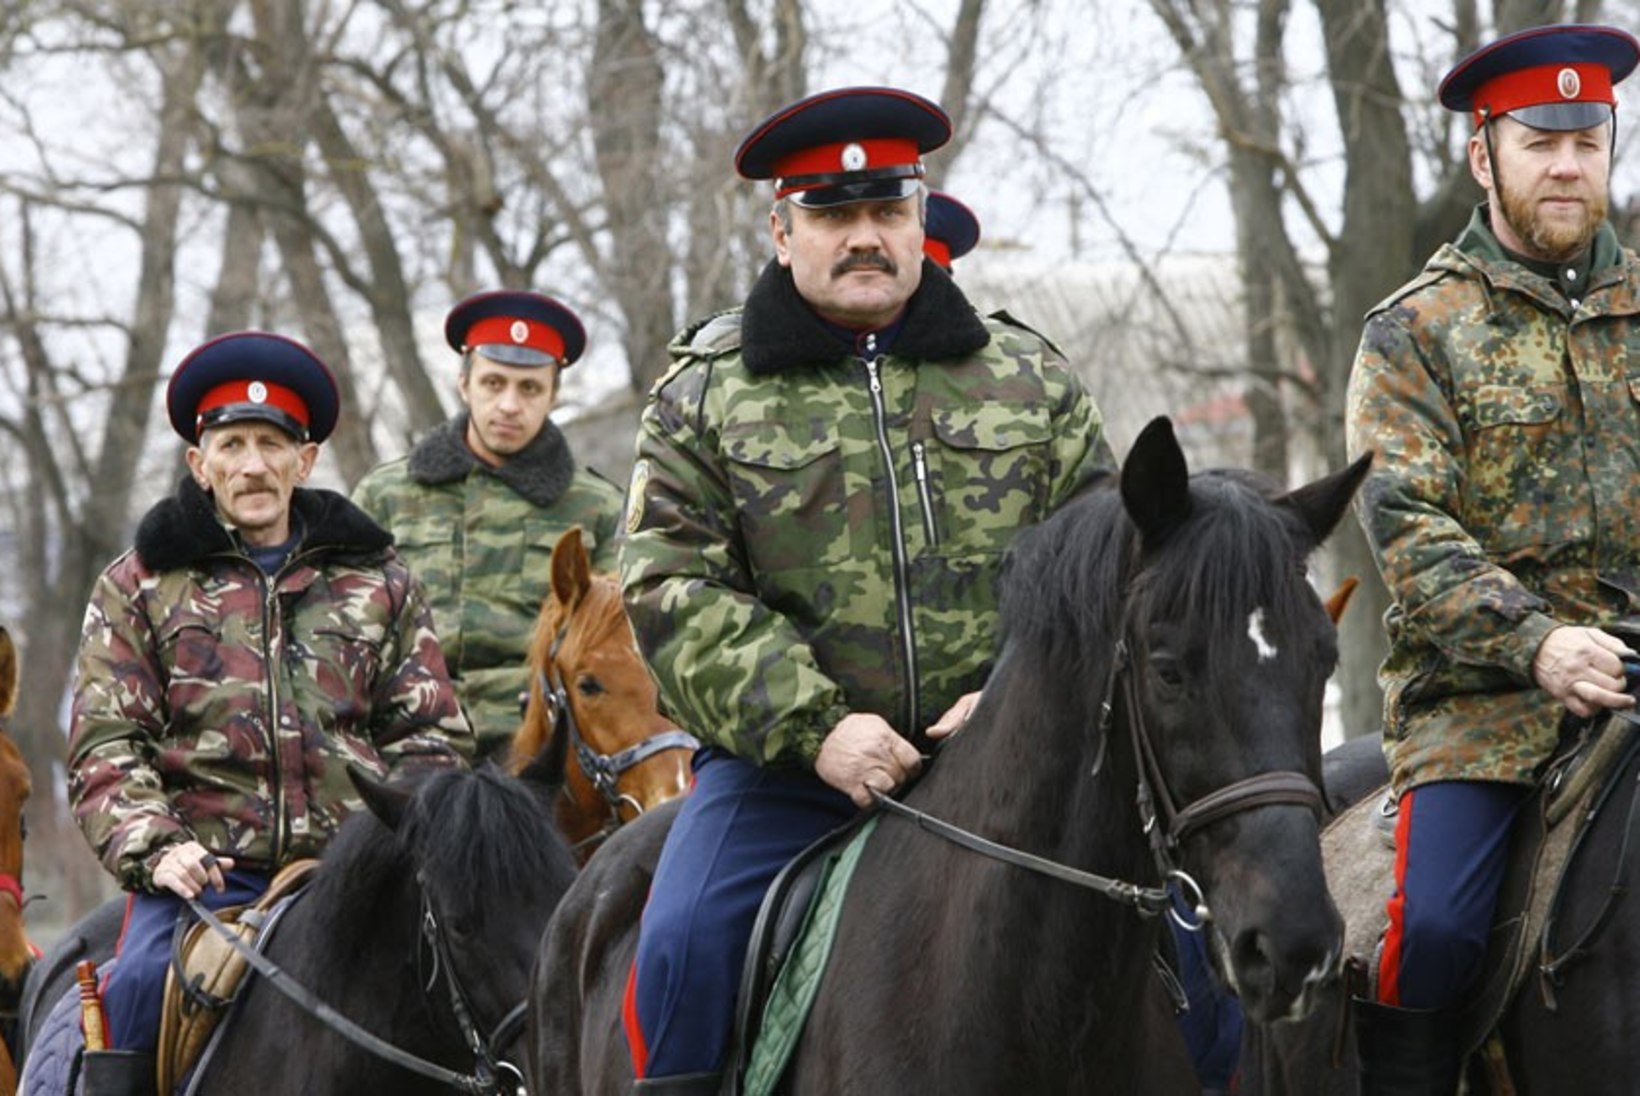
(492, 1074)
(602, 770)
(1165, 824)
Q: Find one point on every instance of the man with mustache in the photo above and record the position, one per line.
(827, 480)
(477, 505)
(1498, 393)
(259, 639)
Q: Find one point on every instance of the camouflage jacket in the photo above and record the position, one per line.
(216, 704)
(812, 531)
(1506, 426)
(480, 540)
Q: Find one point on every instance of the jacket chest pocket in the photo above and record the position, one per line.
(334, 668)
(1525, 484)
(793, 498)
(990, 473)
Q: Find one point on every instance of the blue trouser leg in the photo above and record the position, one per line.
(1452, 844)
(134, 991)
(739, 826)
(1212, 1024)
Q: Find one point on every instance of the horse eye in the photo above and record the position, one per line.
(1168, 672)
(587, 685)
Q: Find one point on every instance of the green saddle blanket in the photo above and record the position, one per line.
(795, 986)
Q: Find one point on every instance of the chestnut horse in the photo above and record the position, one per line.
(589, 682)
(16, 954)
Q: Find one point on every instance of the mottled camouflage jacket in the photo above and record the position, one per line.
(812, 531)
(480, 541)
(1505, 498)
(214, 704)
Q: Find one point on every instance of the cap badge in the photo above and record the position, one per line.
(257, 392)
(519, 331)
(1569, 83)
(854, 157)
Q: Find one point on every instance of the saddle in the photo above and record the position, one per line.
(786, 957)
(1358, 847)
(206, 972)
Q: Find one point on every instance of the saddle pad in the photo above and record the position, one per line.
(799, 980)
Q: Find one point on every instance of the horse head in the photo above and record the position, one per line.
(588, 681)
(1230, 650)
(16, 955)
(490, 868)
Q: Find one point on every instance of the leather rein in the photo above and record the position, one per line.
(492, 1075)
(1163, 822)
(603, 770)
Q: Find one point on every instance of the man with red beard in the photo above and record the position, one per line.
(1498, 393)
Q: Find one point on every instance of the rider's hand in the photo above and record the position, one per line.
(186, 869)
(1583, 669)
(955, 716)
(862, 754)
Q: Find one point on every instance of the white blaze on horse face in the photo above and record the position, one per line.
(1255, 632)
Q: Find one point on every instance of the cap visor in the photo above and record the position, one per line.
(1561, 117)
(526, 356)
(871, 190)
(253, 412)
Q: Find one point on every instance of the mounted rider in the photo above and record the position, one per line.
(477, 505)
(1497, 390)
(826, 482)
(260, 638)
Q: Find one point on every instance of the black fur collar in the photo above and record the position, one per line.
(541, 471)
(780, 333)
(184, 529)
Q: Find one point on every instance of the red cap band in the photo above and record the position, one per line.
(844, 156)
(259, 392)
(1543, 85)
(512, 331)
(938, 251)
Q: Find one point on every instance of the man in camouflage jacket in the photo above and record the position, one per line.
(259, 639)
(478, 504)
(827, 481)
(1498, 391)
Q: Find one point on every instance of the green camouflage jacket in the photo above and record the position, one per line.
(1503, 498)
(812, 532)
(480, 540)
(215, 704)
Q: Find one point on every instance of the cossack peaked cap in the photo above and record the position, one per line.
(859, 144)
(253, 375)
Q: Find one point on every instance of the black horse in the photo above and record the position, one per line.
(1158, 636)
(419, 926)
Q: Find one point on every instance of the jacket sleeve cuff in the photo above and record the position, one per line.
(1522, 645)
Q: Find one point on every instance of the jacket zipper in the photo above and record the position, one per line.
(919, 462)
(902, 583)
(269, 615)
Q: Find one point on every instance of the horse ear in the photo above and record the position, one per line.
(1156, 482)
(1322, 503)
(8, 673)
(1340, 599)
(386, 801)
(571, 569)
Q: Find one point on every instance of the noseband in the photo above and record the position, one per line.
(601, 769)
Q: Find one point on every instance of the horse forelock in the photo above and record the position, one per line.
(481, 837)
(1071, 578)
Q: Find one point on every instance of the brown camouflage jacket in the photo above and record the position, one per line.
(1506, 423)
(213, 703)
(812, 532)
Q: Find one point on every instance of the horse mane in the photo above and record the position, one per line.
(476, 836)
(1068, 578)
